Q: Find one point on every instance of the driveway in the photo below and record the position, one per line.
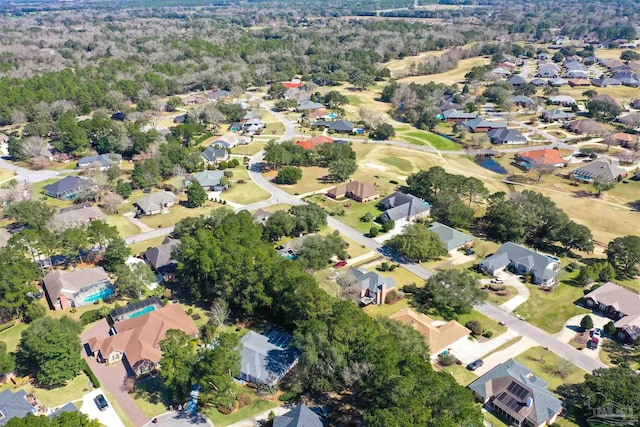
(111, 377)
(108, 417)
(573, 325)
(502, 356)
(513, 281)
(469, 350)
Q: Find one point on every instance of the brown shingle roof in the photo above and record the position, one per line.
(139, 338)
(438, 338)
(57, 280)
(363, 190)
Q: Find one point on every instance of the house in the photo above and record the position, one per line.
(517, 81)
(261, 216)
(557, 115)
(14, 405)
(307, 104)
(78, 215)
(457, 116)
(300, 416)
(558, 82)
(586, 126)
(629, 81)
(523, 261)
(230, 140)
(289, 249)
(156, 203)
(450, 237)
(579, 82)
(621, 305)
(210, 180)
(448, 105)
(531, 159)
(598, 168)
(636, 104)
(266, 359)
(342, 126)
(626, 140)
(564, 100)
(159, 257)
(190, 100)
(253, 126)
(539, 82)
(403, 207)
(296, 94)
(180, 118)
(438, 335)
(219, 94)
(292, 85)
(548, 72)
(522, 101)
(373, 287)
(507, 65)
(608, 99)
(577, 74)
(311, 143)
(479, 125)
(76, 288)
(69, 407)
(606, 82)
(68, 188)
(632, 119)
(136, 340)
(355, 190)
(499, 71)
(543, 56)
(215, 154)
(506, 136)
(516, 394)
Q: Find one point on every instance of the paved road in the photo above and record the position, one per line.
(542, 338)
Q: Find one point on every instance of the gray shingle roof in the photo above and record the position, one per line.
(500, 378)
(263, 361)
(69, 407)
(506, 136)
(156, 201)
(479, 122)
(522, 99)
(214, 153)
(103, 160)
(457, 114)
(451, 237)
(556, 114)
(402, 206)
(66, 184)
(208, 178)
(517, 80)
(539, 265)
(300, 416)
(160, 256)
(307, 104)
(371, 280)
(14, 405)
(600, 168)
(57, 280)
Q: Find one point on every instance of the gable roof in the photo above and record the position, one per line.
(608, 99)
(626, 137)
(139, 337)
(521, 99)
(622, 299)
(451, 237)
(300, 416)
(499, 382)
(214, 153)
(505, 135)
(630, 119)
(517, 80)
(311, 143)
(78, 214)
(160, 256)
(437, 337)
(479, 122)
(155, 201)
(66, 184)
(69, 407)
(458, 114)
(542, 157)
(584, 125)
(540, 265)
(341, 126)
(14, 405)
(372, 281)
(57, 280)
(103, 160)
(307, 104)
(539, 82)
(363, 190)
(263, 360)
(562, 99)
(208, 178)
(600, 168)
(557, 114)
(400, 205)
(218, 94)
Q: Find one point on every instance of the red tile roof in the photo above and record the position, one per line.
(290, 85)
(311, 143)
(545, 157)
(627, 137)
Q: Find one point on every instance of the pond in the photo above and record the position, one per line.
(490, 164)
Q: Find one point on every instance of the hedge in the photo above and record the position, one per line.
(7, 325)
(90, 316)
(92, 377)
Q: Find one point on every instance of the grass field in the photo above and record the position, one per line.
(125, 228)
(309, 183)
(545, 369)
(422, 137)
(11, 336)
(500, 299)
(462, 375)
(5, 175)
(51, 398)
(353, 211)
(452, 76)
(176, 213)
(257, 406)
(246, 193)
(139, 247)
(550, 310)
(250, 149)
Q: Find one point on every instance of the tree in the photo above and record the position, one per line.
(178, 363)
(334, 99)
(315, 251)
(17, 277)
(173, 103)
(450, 210)
(576, 236)
(133, 280)
(602, 108)
(278, 225)
(542, 169)
(116, 254)
(65, 419)
(586, 323)
(71, 137)
(417, 243)
(196, 195)
(288, 175)
(590, 93)
(216, 370)
(219, 313)
(629, 55)
(449, 293)
(624, 254)
(123, 189)
(34, 311)
(32, 213)
(610, 328)
(50, 350)
(360, 79)
(110, 202)
(7, 360)
(340, 170)
(383, 131)
(308, 218)
(348, 287)
(601, 183)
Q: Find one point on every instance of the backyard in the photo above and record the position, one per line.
(545, 364)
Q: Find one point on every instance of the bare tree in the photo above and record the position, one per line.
(18, 117)
(32, 147)
(609, 140)
(212, 116)
(100, 179)
(355, 373)
(562, 369)
(541, 169)
(110, 202)
(347, 287)
(181, 173)
(219, 313)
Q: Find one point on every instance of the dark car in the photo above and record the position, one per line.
(475, 365)
(469, 251)
(101, 402)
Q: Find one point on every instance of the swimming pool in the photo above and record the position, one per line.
(144, 310)
(100, 295)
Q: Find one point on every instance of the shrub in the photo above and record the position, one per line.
(90, 316)
(393, 181)
(374, 231)
(7, 325)
(586, 323)
(243, 400)
(488, 334)
(89, 373)
(225, 410)
(384, 266)
(190, 311)
(388, 226)
(610, 328)
(289, 396)
(392, 267)
(446, 359)
(391, 297)
(495, 287)
(475, 327)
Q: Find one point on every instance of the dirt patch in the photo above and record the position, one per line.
(376, 167)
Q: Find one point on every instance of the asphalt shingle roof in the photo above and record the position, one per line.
(401, 206)
(451, 237)
(263, 360)
(14, 405)
(300, 416)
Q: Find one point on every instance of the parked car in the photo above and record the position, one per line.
(101, 402)
(340, 264)
(469, 251)
(597, 332)
(593, 344)
(475, 365)
(497, 281)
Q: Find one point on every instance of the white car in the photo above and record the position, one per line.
(497, 281)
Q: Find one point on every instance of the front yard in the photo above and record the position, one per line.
(176, 213)
(546, 365)
(349, 211)
(54, 397)
(245, 193)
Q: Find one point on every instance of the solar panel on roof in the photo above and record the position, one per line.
(509, 401)
(517, 390)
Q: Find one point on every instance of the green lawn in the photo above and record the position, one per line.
(500, 299)
(125, 228)
(51, 398)
(38, 194)
(353, 211)
(310, 182)
(246, 194)
(487, 323)
(250, 149)
(550, 310)
(354, 100)
(150, 396)
(11, 337)
(422, 137)
(398, 162)
(462, 375)
(545, 368)
(139, 247)
(176, 213)
(257, 406)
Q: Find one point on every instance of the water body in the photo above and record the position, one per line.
(490, 164)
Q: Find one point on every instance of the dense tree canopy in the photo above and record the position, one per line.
(417, 243)
(624, 254)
